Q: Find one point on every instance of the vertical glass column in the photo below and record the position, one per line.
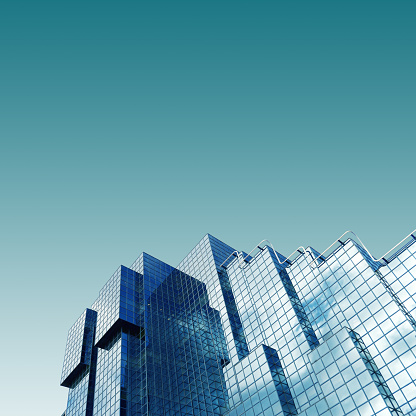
(378, 379)
(280, 382)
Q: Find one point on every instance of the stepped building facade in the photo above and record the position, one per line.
(230, 334)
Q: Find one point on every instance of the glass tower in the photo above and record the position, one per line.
(225, 333)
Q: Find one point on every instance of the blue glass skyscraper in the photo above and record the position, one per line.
(226, 333)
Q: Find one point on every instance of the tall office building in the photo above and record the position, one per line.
(231, 334)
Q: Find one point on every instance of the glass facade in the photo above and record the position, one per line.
(227, 334)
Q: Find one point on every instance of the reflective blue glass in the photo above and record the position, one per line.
(228, 334)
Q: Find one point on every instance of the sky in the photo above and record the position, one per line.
(136, 126)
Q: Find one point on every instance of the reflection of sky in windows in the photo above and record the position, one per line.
(264, 338)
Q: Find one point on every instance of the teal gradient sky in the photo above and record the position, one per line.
(135, 126)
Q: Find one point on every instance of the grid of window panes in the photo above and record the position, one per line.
(81, 378)
(345, 381)
(265, 301)
(232, 338)
(204, 263)
(108, 305)
(108, 384)
(185, 348)
(79, 347)
(73, 346)
(78, 396)
(121, 340)
(345, 291)
(375, 374)
(252, 386)
(400, 275)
